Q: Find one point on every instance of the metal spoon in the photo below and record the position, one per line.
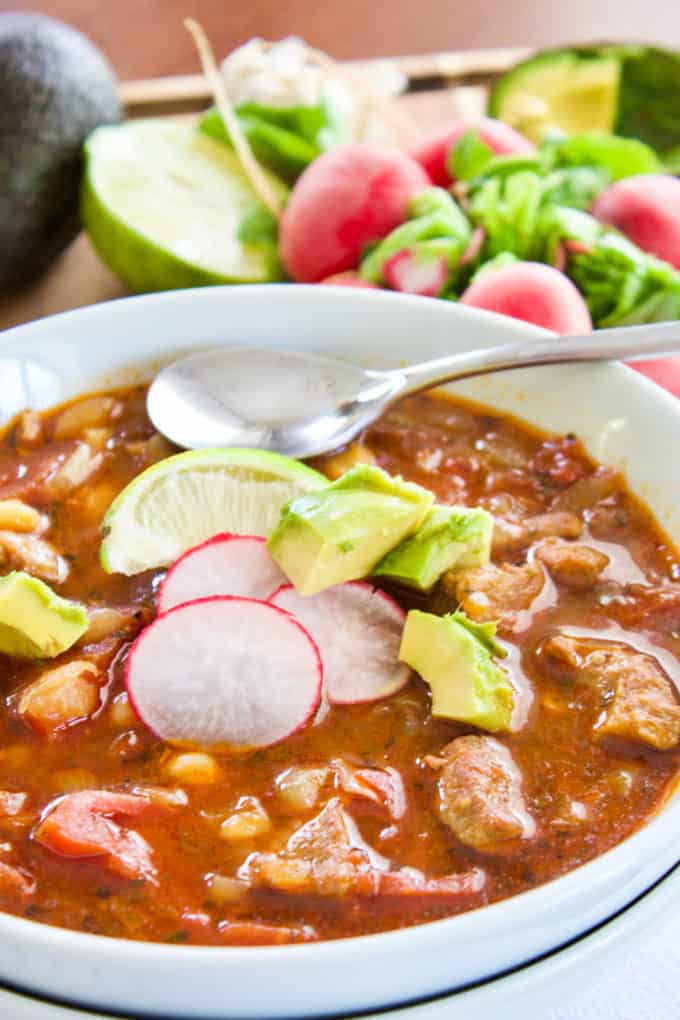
(303, 405)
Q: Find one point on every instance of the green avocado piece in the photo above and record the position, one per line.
(56, 88)
(455, 658)
(341, 532)
(35, 622)
(450, 536)
(559, 91)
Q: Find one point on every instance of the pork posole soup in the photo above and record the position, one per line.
(248, 701)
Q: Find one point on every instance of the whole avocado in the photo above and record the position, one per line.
(56, 88)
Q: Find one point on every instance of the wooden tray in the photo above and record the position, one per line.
(441, 86)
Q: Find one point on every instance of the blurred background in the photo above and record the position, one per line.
(145, 38)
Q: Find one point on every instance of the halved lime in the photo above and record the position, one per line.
(163, 204)
(186, 499)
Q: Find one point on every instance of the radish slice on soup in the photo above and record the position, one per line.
(224, 672)
(224, 565)
(358, 631)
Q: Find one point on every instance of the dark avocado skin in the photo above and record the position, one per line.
(55, 88)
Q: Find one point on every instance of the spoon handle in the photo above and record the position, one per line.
(626, 342)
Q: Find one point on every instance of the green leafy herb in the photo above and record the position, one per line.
(620, 157)
(436, 218)
(484, 632)
(285, 140)
(258, 226)
(468, 157)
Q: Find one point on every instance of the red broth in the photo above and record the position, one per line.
(584, 792)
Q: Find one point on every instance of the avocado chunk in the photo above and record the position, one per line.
(559, 91)
(456, 659)
(450, 537)
(35, 622)
(56, 87)
(340, 533)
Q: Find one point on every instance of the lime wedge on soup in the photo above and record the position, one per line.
(186, 499)
(163, 205)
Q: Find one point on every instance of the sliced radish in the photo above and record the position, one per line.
(358, 631)
(407, 272)
(224, 672)
(224, 565)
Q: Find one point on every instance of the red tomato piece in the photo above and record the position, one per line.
(14, 880)
(82, 824)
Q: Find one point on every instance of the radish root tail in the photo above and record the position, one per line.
(252, 168)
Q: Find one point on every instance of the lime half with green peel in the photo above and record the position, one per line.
(565, 91)
(186, 499)
(163, 205)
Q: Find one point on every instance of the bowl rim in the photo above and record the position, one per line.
(612, 865)
(598, 937)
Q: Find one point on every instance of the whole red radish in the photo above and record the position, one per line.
(348, 279)
(534, 293)
(663, 371)
(646, 208)
(433, 151)
(345, 199)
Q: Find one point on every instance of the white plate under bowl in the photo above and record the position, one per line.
(621, 417)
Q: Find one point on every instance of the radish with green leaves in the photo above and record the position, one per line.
(416, 272)
(646, 208)
(532, 292)
(348, 279)
(499, 138)
(344, 200)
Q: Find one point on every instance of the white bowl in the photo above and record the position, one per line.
(554, 987)
(619, 415)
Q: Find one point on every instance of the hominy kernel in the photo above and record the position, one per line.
(17, 516)
(249, 821)
(121, 713)
(194, 767)
(68, 780)
(226, 890)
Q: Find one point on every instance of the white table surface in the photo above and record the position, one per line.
(647, 989)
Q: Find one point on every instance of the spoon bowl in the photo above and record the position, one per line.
(304, 405)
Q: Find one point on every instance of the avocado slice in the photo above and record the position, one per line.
(455, 658)
(35, 622)
(450, 536)
(559, 91)
(341, 532)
